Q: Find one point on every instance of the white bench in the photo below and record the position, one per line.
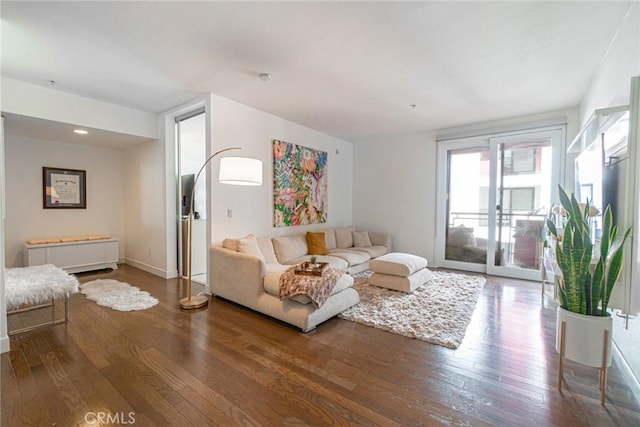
(74, 255)
(33, 288)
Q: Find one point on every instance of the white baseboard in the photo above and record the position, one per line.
(4, 344)
(151, 269)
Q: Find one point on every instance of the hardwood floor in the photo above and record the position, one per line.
(226, 365)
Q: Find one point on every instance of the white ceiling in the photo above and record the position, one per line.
(349, 69)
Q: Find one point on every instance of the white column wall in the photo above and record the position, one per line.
(395, 190)
(145, 200)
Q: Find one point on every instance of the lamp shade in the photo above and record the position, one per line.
(240, 171)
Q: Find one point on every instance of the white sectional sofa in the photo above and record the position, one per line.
(247, 271)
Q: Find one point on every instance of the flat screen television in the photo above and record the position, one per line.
(613, 190)
(186, 191)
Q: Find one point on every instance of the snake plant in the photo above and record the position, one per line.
(585, 287)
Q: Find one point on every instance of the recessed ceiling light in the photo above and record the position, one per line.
(80, 131)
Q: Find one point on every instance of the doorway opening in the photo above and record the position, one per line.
(191, 154)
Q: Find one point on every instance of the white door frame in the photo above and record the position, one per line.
(557, 155)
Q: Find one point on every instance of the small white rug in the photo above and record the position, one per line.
(117, 295)
(438, 312)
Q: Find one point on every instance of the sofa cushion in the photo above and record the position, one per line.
(344, 238)
(333, 261)
(249, 245)
(316, 243)
(43, 241)
(373, 251)
(398, 264)
(266, 247)
(289, 247)
(361, 239)
(271, 285)
(403, 284)
(353, 257)
(275, 267)
(330, 238)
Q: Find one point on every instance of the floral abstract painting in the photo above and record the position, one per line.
(300, 177)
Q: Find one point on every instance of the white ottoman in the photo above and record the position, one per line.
(399, 271)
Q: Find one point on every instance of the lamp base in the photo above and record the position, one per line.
(194, 302)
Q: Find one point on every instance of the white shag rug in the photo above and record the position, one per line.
(37, 284)
(117, 295)
(438, 312)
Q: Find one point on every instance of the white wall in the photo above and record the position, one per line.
(395, 190)
(611, 84)
(611, 87)
(4, 337)
(26, 218)
(236, 124)
(145, 201)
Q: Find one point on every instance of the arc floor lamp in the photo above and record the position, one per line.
(234, 171)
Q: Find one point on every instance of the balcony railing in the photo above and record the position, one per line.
(518, 235)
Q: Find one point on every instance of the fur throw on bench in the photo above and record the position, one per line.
(37, 284)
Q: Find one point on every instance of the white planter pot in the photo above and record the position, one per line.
(584, 337)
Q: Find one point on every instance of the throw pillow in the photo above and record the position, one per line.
(266, 247)
(316, 243)
(290, 247)
(231, 244)
(344, 238)
(249, 245)
(330, 238)
(361, 239)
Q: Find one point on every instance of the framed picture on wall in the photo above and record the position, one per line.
(64, 188)
(300, 179)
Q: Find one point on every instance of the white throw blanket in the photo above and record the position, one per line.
(317, 288)
(37, 284)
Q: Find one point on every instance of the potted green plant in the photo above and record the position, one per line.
(587, 280)
(527, 243)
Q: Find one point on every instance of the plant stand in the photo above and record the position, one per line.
(602, 368)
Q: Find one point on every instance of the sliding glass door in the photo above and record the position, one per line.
(467, 188)
(527, 174)
(497, 192)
